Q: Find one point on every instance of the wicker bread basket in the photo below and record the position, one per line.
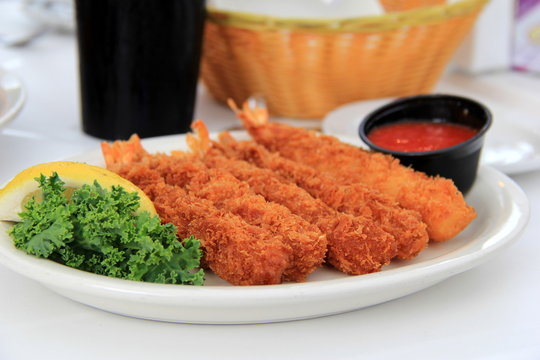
(305, 68)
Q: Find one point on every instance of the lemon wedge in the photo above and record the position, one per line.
(24, 186)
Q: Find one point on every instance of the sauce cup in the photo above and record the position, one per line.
(458, 162)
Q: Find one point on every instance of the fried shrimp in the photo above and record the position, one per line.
(355, 244)
(307, 242)
(238, 252)
(442, 206)
(356, 199)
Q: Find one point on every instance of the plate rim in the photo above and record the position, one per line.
(13, 108)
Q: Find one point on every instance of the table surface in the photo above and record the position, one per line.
(489, 312)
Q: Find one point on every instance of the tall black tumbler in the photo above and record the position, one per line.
(139, 65)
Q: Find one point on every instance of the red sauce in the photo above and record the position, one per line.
(420, 136)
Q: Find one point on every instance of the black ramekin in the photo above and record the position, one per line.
(459, 162)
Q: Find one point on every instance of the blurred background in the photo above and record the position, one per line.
(504, 38)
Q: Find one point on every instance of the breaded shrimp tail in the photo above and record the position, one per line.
(442, 206)
(123, 152)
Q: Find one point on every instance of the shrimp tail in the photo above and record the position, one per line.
(123, 152)
(199, 141)
(252, 114)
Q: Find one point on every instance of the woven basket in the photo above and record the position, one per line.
(401, 5)
(305, 68)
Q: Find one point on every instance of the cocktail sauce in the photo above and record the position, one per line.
(420, 136)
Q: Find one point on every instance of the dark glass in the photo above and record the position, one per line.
(139, 65)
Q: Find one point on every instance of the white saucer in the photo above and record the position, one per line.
(56, 14)
(512, 143)
(12, 97)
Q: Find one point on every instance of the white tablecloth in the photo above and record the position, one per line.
(489, 312)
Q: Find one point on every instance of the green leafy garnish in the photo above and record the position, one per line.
(99, 231)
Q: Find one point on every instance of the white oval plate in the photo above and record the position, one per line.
(512, 145)
(503, 212)
(12, 97)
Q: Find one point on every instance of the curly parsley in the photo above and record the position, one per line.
(98, 230)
